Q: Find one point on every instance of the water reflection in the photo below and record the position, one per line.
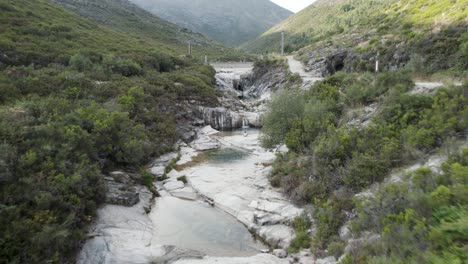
(197, 226)
(226, 155)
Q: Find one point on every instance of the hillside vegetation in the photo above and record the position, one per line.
(78, 99)
(338, 148)
(426, 35)
(137, 23)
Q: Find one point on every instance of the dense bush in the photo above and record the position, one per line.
(423, 219)
(162, 62)
(284, 110)
(301, 225)
(121, 66)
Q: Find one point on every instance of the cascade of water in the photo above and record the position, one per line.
(245, 123)
(221, 125)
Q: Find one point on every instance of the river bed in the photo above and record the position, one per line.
(181, 227)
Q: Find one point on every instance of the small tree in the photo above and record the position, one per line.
(284, 110)
(81, 62)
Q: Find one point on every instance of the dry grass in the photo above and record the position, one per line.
(200, 158)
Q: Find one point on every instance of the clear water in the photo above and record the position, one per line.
(226, 155)
(198, 226)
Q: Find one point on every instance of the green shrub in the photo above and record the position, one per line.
(421, 220)
(284, 110)
(162, 62)
(336, 249)
(328, 219)
(183, 179)
(147, 179)
(301, 240)
(302, 223)
(80, 62)
(123, 67)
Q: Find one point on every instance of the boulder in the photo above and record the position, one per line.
(121, 189)
(121, 195)
(185, 193)
(158, 170)
(280, 253)
(327, 260)
(278, 235)
(173, 185)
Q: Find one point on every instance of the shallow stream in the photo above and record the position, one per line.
(195, 225)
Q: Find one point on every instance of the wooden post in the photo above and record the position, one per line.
(282, 43)
(190, 48)
(377, 62)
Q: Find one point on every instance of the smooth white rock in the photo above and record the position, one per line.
(173, 185)
(327, 260)
(186, 193)
(122, 235)
(174, 174)
(280, 235)
(186, 155)
(204, 143)
(280, 253)
(257, 259)
(209, 131)
(158, 170)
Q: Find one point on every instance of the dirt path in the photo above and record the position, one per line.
(296, 66)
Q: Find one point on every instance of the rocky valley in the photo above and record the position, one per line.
(126, 138)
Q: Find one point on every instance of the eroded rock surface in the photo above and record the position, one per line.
(242, 189)
(122, 234)
(258, 259)
(122, 188)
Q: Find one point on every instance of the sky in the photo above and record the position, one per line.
(294, 5)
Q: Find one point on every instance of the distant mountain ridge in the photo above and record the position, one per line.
(226, 21)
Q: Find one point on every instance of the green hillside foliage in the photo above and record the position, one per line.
(77, 100)
(330, 161)
(433, 30)
(422, 220)
(144, 27)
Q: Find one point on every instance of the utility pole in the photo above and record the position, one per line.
(377, 62)
(190, 48)
(282, 43)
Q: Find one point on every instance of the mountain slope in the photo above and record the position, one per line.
(349, 34)
(77, 101)
(126, 17)
(229, 22)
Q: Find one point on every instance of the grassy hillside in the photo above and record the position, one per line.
(78, 99)
(137, 23)
(428, 32)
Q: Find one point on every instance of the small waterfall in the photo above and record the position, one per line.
(221, 125)
(245, 123)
